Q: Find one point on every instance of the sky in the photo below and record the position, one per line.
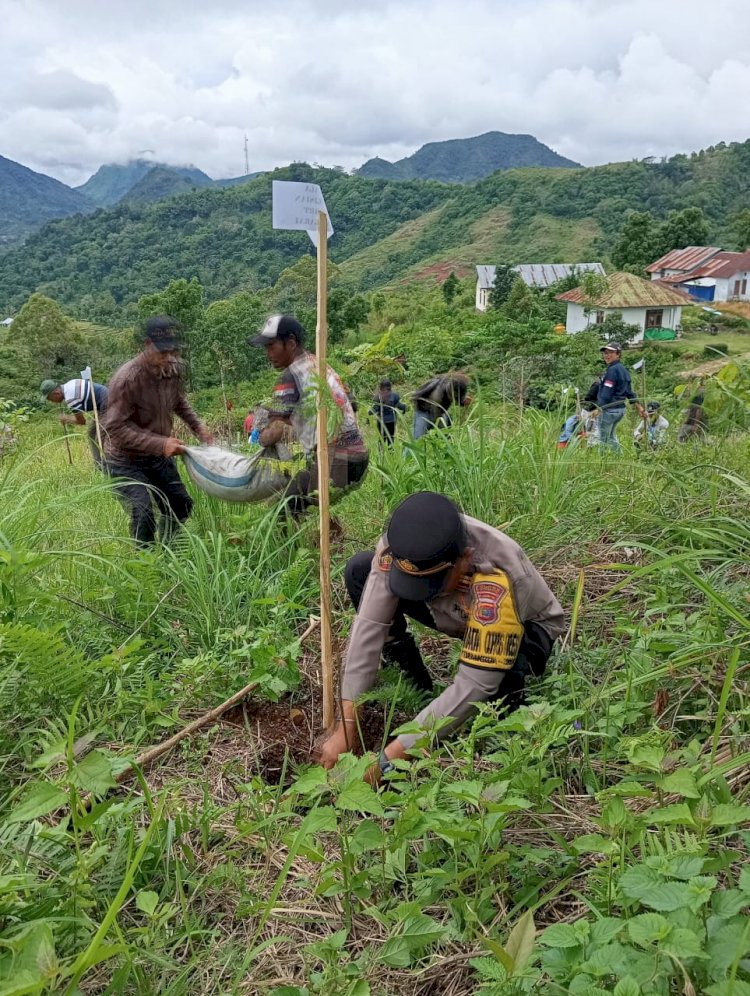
(86, 82)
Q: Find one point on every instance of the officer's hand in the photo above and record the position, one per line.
(172, 447)
(337, 744)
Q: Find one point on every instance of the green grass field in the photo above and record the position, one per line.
(593, 842)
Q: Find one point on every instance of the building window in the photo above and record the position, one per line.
(654, 318)
(599, 318)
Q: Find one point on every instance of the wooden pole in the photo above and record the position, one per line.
(643, 402)
(326, 649)
(96, 418)
(67, 444)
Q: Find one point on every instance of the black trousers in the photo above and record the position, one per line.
(301, 492)
(145, 482)
(533, 654)
(387, 431)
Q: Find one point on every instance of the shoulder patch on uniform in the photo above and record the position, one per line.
(609, 383)
(384, 562)
(486, 599)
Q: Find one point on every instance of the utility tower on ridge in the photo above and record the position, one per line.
(247, 161)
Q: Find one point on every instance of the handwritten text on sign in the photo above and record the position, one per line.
(296, 206)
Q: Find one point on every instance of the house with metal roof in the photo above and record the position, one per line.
(537, 275)
(725, 276)
(681, 261)
(646, 304)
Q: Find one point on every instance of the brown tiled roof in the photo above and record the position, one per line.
(684, 259)
(625, 290)
(723, 264)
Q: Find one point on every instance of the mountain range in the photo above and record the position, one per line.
(463, 160)
(386, 231)
(29, 199)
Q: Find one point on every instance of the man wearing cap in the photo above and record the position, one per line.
(79, 396)
(653, 428)
(144, 395)
(283, 338)
(459, 576)
(614, 390)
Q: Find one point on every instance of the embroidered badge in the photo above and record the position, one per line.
(609, 383)
(487, 596)
(384, 561)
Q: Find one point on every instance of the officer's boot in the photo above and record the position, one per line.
(404, 654)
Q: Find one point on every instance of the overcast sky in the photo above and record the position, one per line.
(84, 82)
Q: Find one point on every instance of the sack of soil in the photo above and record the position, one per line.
(236, 477)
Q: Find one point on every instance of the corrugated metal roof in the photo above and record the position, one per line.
(625, 290)
(723, 264)
(486, 276)
(684, 259)
(538, 274)
(545, 274)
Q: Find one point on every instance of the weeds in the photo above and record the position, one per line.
(592, 842)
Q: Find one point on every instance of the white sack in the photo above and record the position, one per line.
(236, 477)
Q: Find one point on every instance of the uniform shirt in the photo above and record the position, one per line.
(614, 387)
(503, 591)
(142, 401)
(77, 395)
(294, 397)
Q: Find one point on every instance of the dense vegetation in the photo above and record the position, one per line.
(590, 843)
(385, 230)
(463, 160)
(114, 181)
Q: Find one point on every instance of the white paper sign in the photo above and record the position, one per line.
(296, 206)
(86, 374)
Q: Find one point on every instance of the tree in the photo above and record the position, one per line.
(297, 286)
(450, 287)
(183, 299)
(356, 312)
(505, 277)
(224, 351)
(638, 242)
(520, 305)
(682, 228)
(741, 229)
(46, 342)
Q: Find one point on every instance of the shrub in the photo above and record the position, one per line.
(713, 350)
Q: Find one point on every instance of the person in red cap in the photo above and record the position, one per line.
(461, 577)
(283, 338)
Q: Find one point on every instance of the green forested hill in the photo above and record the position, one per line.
(29, 199)
(385, 230)
(462, 160)
(114, 181)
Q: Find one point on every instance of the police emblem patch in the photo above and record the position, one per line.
(486, 599)
(384, 562)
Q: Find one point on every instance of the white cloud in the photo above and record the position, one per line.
(84, 83)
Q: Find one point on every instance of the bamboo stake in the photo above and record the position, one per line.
(643, 402)
(326, 649)
(67, 443)
(96, 418)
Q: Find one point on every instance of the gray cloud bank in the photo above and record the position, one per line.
(85, 82)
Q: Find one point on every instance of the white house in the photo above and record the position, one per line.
(539, 275)
(713, 276)
(6, 321)
(640, 302)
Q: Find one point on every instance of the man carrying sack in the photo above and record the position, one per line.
(292, 408)
(461, 577)
(139, 448)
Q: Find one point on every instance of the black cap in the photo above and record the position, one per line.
(164, 332)
(614, 346)
(278, 327)
(653, 406)
(424, 538)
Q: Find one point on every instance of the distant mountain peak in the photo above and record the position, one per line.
(29, 199)
(463, 160)
(114, 181)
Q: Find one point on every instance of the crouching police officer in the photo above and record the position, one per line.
(459, 576)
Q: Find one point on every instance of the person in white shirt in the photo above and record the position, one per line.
(654, 425)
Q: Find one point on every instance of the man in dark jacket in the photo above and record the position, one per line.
(139, 447)
(433, 400)
(614, 391)
(386, 405)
